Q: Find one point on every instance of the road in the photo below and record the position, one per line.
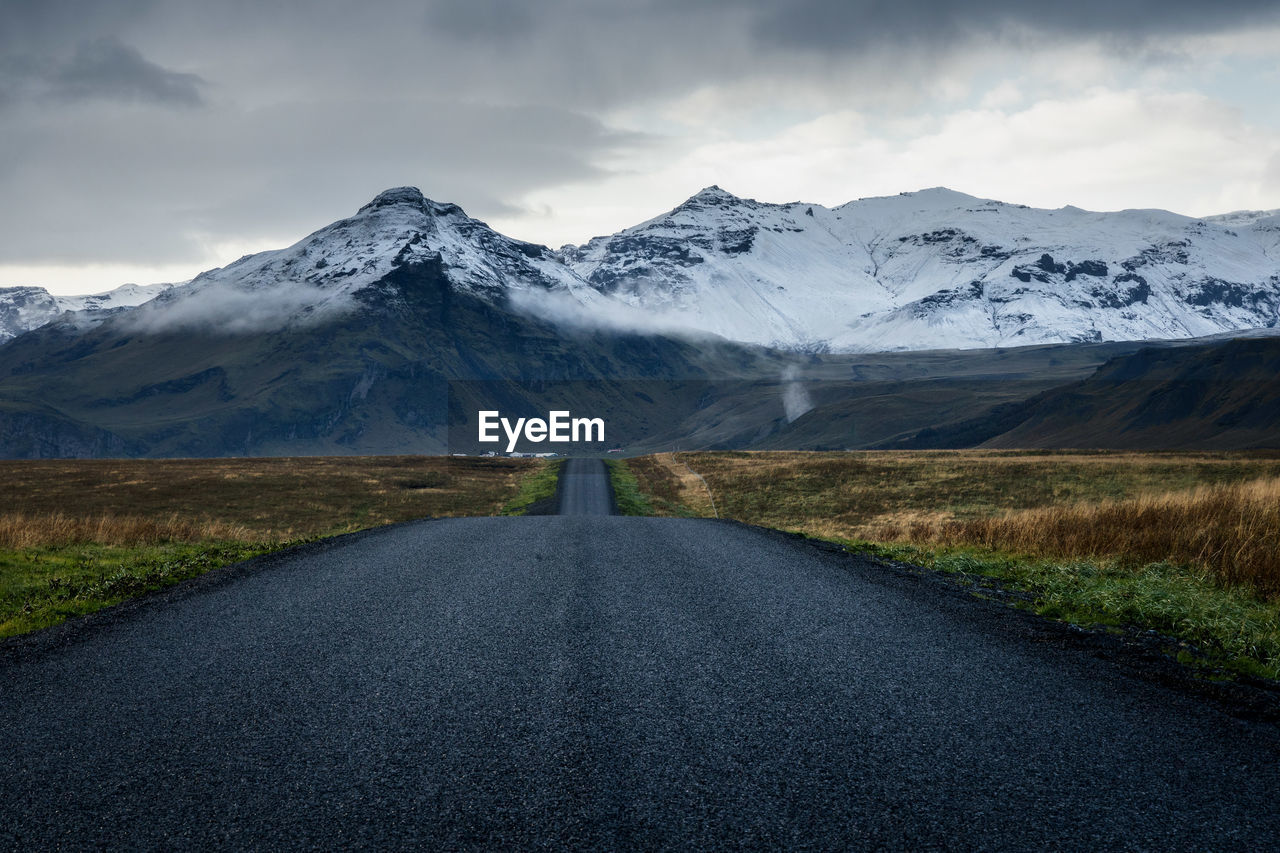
(604, 682)
(584, 488)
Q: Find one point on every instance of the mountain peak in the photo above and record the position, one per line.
(397, 195)
(412, 198)
(942, 195)
(712, 195)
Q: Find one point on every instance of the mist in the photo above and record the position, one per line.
(589, 310)
(221, 310)
(795, 397)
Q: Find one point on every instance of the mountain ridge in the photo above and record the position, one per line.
(24, 308)
(938, 268)
(934, 268)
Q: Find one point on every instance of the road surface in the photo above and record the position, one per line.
(584, 488)
(603, 682)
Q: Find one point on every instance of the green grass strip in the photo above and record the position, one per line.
(626, 489)
(538, 485)
(43, 586)
(1217, 628)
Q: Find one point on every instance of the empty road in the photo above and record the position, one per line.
(584, 488)
(604, 682)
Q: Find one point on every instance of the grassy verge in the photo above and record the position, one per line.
(43, 586)
(1187, 545)
(626, 489)
(1216, 629)
(80, 535)
(535, 488)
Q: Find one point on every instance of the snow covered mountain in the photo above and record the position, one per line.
(939, 269)
(355, 339)
(400, 226)
(923, 270)
(323, 274)
(319, 276)
(25, 308)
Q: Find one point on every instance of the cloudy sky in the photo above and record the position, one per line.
(147, 140)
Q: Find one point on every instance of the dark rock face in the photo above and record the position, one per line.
(1042, 270)
(957, 245)
(397, 195)
(1215, 291)
(945, 298)
(641, 257)
(1172, 252)
(1047, 264)
(736, 241)
(1026, 272)
(413, 197)
(713, 197)
(1093, 268)
(215, 378)
(1126, 289)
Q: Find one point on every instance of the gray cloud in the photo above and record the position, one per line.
(107, 68)
(310, 107)
(835, 26)
(90, 192)
(608, 53)
(483, 19)
(33, 25)
(99, 69)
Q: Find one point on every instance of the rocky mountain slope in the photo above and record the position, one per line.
(25, 308)
(937, 268)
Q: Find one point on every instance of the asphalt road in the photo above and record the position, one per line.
(604, 682)
(584, 488)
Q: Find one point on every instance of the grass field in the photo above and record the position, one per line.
(79, 535)
(1187, 543)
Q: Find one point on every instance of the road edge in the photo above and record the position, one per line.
(1140, 653)
(72, 631)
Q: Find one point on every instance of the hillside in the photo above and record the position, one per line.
(1223, 395)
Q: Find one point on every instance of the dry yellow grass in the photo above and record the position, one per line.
(258, 500)
(18, 530)
(80, 535)
(693, 490)
(1232, 531)
(1218, 512)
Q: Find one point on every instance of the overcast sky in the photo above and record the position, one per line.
(147, 140)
